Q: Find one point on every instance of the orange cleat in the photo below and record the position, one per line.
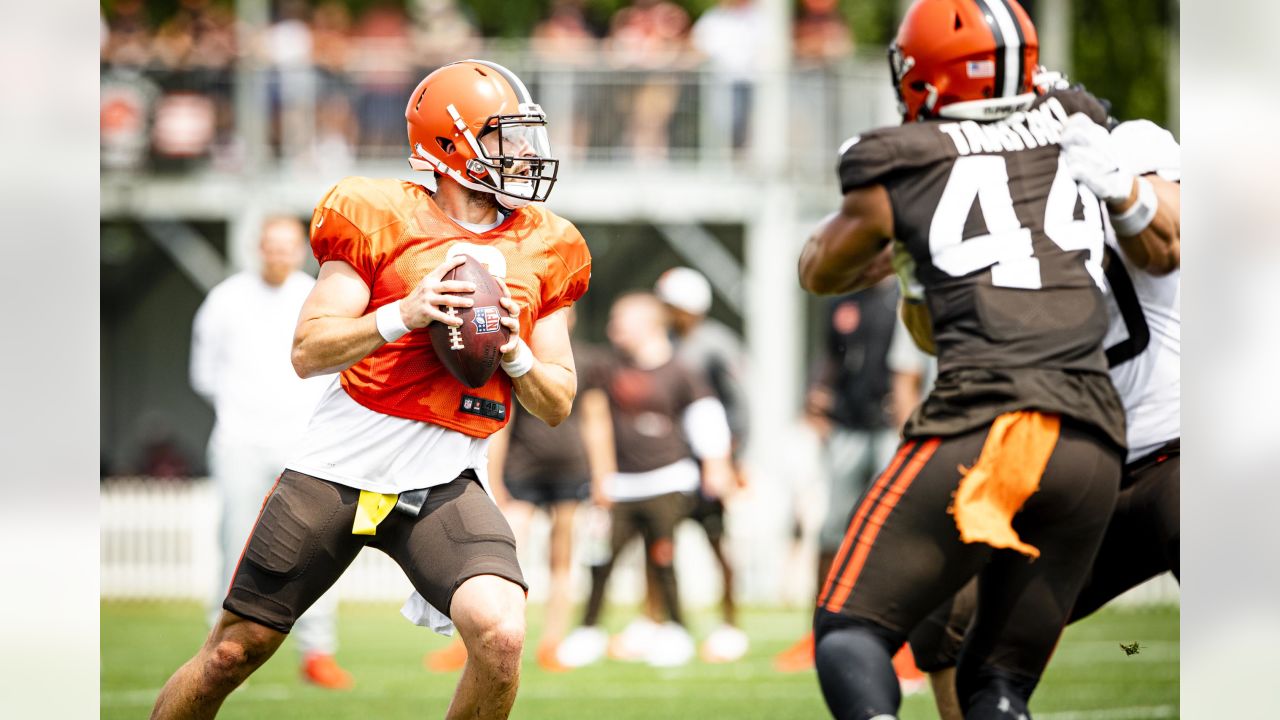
(797, 658)
(321, 670)
(547, 659)
(910, 678)
(449, 659)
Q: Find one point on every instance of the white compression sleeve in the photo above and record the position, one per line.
(707, 427)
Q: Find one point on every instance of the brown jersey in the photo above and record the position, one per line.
(647, 408)
(538, 451)
(1006, 251)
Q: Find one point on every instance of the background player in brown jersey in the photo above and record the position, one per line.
(1016, 453)
(545, 468)
(393, 457)
(646, 417)
(709, 347)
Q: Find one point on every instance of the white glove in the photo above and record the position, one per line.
(1093, 159)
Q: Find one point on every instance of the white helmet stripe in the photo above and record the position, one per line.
(1012, 33)
(522, 92)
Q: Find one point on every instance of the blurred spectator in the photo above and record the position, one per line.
(240, 350)
(162, 458)
(442, 33)
(336, 135)
(728, 35)
(126, 100)
(822, 40)
(564, 39)
(287, 45)
(383, 70)
(128, 42)
(822, 36)
(199, 35)
(162, 455)
(564, 36)
(649, 37)
(331, 38)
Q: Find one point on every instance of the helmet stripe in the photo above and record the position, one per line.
(522, 93)
(1022, 43)
(1008, 37)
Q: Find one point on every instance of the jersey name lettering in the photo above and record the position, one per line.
(1021, 131)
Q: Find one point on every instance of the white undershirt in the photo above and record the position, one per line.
(680, 476)
(349, 444)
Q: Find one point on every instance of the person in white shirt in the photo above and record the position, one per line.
(240, 364)
(728, 35)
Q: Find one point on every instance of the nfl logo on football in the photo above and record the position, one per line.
(486, 319)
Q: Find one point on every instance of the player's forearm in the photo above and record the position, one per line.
(906, 396)
(825, 270)
(1157, 248)
(325, 345)
(848, 250)
(597, 438)
(547, 391)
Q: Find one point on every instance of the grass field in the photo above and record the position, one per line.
(1091, 678)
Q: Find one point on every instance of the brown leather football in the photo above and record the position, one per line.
(470, 351)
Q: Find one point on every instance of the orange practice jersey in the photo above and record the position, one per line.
(393, 234)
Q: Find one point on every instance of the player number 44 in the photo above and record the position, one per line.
(1007, 246)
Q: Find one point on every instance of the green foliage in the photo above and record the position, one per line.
(1121, 52)
(874, 22)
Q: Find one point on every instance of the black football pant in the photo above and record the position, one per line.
(1141, 542)
(902, 557)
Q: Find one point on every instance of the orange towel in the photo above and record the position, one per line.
(1013, 459)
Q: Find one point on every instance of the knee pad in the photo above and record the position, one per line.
(825, 621)
(854, 659)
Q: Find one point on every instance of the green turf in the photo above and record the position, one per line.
(1090, 678)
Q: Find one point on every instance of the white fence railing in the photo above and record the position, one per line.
(159, 542)
(680, 116)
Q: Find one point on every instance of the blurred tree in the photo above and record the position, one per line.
(1121, 52)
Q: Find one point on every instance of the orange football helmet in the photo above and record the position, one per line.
(964, 59)
(453, 112)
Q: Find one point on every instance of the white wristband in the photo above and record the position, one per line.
(1140, 214)
(390, 325)
(523, 361)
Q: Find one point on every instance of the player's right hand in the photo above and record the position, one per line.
(426, 303)
(1093, 159)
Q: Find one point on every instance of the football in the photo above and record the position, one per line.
(470, 351)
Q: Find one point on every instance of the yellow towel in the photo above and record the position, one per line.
(371, 509)
(1008, 471)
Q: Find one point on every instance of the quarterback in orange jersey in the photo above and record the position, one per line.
(394, 455)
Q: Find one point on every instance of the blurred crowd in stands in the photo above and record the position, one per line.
(337, 79)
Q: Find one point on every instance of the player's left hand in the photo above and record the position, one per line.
(1094, 161)
(511, 323)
